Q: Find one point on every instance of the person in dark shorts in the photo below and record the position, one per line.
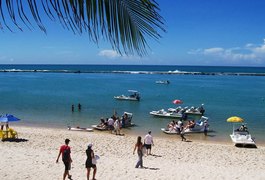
(148, 142)
(89, 163)
(65, 151)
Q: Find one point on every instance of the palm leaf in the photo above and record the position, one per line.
(124, 23)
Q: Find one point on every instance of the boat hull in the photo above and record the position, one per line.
(80, 129)
(126, 98)
(242, 140)
(169, 132)
(166, 115)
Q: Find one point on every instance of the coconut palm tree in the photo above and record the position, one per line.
(124, 23)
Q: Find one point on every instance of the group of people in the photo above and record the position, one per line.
(65, 151)
(115, 123)
(180, 128)
(79, 106)
(143, 148)
(175, 126)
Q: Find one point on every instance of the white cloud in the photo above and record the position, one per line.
(249, 53)
(213, 51)
(109, 54)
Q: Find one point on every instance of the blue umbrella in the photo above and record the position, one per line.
(8, 118)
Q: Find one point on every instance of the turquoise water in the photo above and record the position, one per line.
(45, 99)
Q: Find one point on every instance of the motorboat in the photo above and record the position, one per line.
(126, 122)
(80, 129)
(169, 131)
(198, 127)
(195, 111)
(171, 113)
(134, 96)
(242, 137)
(163, 82)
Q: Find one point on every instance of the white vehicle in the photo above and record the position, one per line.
(167, 131)
(195, 111)
(134, 96)
(241, 137)
(80, 129)
(171, 113)
(163, 82)
(199, 126)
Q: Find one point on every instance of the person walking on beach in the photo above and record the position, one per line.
(65, 150)
(139, 147)
(148, 142)
(89, 164)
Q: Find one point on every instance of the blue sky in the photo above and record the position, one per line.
(199, 32)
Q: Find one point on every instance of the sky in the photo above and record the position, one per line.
(198, 32)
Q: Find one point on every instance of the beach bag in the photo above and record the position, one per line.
(94, 160)
(66, 154)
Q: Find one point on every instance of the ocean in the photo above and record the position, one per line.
(42, 95)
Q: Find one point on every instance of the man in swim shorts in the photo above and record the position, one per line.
(148, 142)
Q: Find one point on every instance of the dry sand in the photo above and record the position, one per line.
(173, 159)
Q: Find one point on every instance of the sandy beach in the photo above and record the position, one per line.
(34, 157)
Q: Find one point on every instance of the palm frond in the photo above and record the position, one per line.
(124, 23)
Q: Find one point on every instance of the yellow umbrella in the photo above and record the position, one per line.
(235, 119)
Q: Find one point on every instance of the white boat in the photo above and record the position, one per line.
(168, 114)
(167, 131)
(134, 96)
(80, 129)
(241, 137)
(199, 127)
(195, 111)
(163, 82)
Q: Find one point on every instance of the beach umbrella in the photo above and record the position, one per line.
(177, 101)
(8, 118)
(235, 119)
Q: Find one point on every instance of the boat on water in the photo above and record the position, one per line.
(170, 113)
(125, 122)
(133, 96)
(198, 127)
(163, 82)
(242, 137)
(195, 111)
(179, 112)
(80, 129)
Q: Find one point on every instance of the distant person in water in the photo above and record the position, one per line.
(79, 107)
(73, 108)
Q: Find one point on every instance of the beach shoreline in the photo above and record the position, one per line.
(34, 156)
